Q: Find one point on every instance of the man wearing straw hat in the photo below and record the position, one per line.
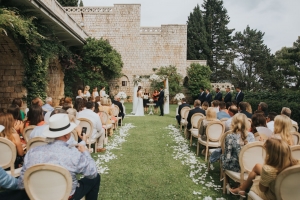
(75, 159)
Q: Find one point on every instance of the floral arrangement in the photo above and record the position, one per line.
(151, 100)
(122, 95)
(179, 96)
(157, 78)
(136, 79)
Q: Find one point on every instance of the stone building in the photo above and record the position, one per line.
(141, 48)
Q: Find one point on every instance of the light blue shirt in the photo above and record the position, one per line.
(47, 108)
(7, 181)
(59, 153)
(222, 114)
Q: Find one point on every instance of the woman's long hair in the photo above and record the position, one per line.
(14, 109)
(137, 93)
(79, 104)
(279, 154)
(35, 115)
(258, 120)
(7, 120)
(283, 126)
(240, 125)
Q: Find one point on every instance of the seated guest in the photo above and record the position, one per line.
(98, 131)
(97, 100)
(76, 160)
(183, 104)
(7, 120)
(231, 111)
(205, 105)
(278, 158)
(37, 101)
(282, 129)
(228, 104)
(117, 102)
(106, 108)
(263, 107)
(235, 141)
(79, 104)
(18, 124)
(48, 106)
(19, 102)
(270, 120)
(248, 107)
(242, 109)
(215, 105)
(61, 101)
(256, 121)
(92, 99)
(223, 111)
(196, 109)
(35, 116)
(286, 111)
(211, 116)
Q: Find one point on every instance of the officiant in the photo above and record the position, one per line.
(160, 101)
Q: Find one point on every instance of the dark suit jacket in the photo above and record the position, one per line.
(193, 111)
(208, 98)
(218, 96)
(119, 104)
(202, 97)
(161, 97)
(228, 97)
(181, 106)
(239, 97)
(249, 115)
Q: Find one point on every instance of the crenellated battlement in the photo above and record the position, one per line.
(96, 10)
(150, 30)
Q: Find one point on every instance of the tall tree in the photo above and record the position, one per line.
(219, 39)
(254, 66)
(81, 3)
(196, 36)
(288, 61)
(70, 3)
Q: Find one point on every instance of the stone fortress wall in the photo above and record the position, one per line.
(141, 48)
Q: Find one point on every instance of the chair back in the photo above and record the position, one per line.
(183, 110)
(27, 131)
(295, 128)
(287, 183)
(84, 122)
(8, 153)
(214, 131)
(296, 151)
(47, 182)
(224, 119)
(296, 138)
(35, 142)
(116, 111)
(195, 118)
(104, 117)
(185, 113)
(74, 134)
(250, 155)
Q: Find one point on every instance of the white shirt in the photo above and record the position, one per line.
(217, 109)
(270, 125)
(95, 119)
(228, 124)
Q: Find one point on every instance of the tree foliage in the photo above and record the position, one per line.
(68, 3)
(81, 3)
(198, 76)
(219, 40)
(288, 62)
(196, 36)
(174, 78)
(254, 66)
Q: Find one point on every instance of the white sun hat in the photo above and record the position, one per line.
(59, 125)
(1, 128)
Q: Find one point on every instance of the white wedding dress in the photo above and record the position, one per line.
(139, 107)
(135, 100)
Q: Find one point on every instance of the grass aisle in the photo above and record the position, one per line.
(145, 167)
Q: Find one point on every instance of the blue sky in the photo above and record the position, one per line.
(278, 19)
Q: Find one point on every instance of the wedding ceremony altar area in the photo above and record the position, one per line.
(150, 159)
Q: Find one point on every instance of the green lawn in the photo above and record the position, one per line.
(145, 167)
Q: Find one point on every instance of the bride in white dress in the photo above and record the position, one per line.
(139, 107)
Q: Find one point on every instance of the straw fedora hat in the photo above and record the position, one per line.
(59, 125)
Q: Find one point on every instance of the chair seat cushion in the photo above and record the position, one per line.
(211, 144)
(235, 175)
(194, 132)
(17, 172)
(254, 196)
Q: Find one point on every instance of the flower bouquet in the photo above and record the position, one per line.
(179, 97)
(122, 95)
(151, 100)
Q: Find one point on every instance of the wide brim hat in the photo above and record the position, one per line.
(59, 125)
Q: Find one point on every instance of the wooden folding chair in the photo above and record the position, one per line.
(27, 131)
(35, 142)
(184, 114)
(195, 126)
(84, 122)
(296, 138)
(296, 152)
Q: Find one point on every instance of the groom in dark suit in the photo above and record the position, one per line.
(160, 101)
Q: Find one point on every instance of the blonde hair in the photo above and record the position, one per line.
(240, 125)
(211, 113)
(248, 107)
(279, 154)
(104, 101)
(7, 120)
(283, 126)
(87, 88)
(109, 102)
